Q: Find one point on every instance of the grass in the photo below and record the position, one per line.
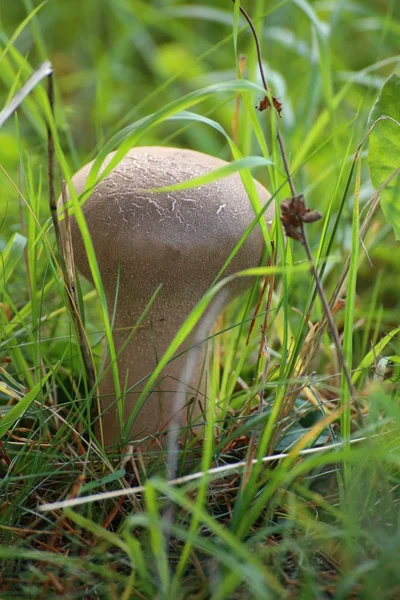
(300, 499)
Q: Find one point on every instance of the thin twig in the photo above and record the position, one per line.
(268, 91)
(304, 241)
(258, 47)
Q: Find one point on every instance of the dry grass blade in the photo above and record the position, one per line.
(44, 70)
(211, 473)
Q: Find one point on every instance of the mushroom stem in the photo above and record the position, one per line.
(136, 362)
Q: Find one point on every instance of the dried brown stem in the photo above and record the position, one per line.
(258, 47)
(66, 255)
(303, 236)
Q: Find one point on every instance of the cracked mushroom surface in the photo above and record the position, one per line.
(178, 239)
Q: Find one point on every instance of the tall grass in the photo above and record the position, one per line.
(294, 498)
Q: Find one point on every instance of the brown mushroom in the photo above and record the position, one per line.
(178, 239)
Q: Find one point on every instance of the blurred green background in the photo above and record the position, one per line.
(118, 60)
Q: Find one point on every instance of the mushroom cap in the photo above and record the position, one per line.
(179, 239)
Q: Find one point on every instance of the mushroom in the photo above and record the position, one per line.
(178, 239)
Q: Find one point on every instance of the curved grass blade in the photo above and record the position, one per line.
(249, 162)
(43, 71)
(17, 411)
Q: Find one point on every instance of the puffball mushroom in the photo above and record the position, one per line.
(178, 239)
